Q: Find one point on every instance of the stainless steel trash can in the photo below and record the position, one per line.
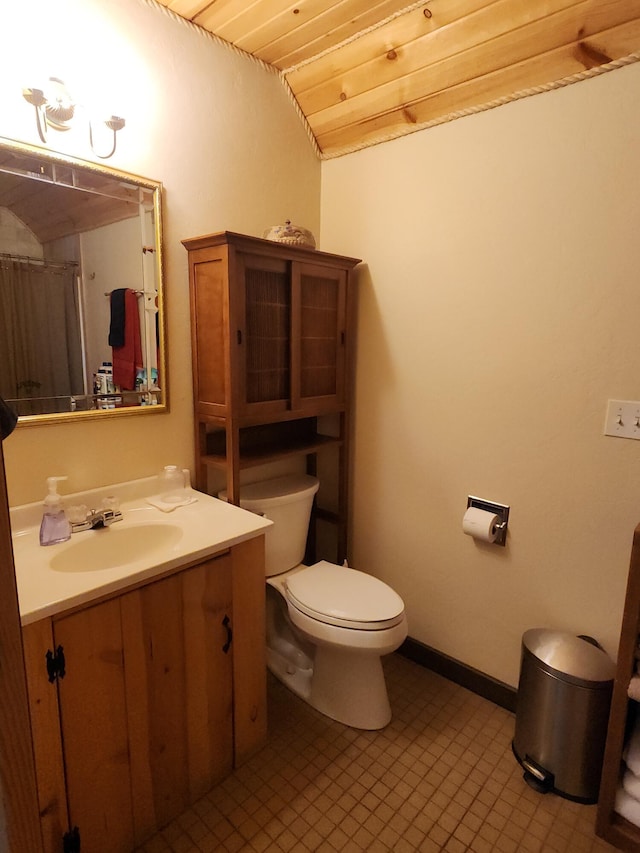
(562, 712)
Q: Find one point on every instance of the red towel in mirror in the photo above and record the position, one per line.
(127, 359)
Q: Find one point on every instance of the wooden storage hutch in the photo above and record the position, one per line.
(609, 825)
(270, 327)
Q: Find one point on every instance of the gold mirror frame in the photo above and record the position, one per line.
(95, 174)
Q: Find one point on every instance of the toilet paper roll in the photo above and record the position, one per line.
(480, 524)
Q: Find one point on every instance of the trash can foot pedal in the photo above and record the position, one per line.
(542, 786)
(534, 775)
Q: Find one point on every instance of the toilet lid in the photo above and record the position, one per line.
(345, 597)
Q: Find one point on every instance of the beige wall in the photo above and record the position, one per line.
(499, 310)
(220, 133)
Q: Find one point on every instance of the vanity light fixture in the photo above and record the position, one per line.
(114, 123)
(55, 108)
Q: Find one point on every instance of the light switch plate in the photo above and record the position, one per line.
(623, 419)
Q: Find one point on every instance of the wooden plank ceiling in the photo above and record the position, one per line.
(363, 71)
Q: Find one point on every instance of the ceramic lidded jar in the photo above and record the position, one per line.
(294, 235)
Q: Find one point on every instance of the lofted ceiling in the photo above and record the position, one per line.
(55, 200)
(363, 71)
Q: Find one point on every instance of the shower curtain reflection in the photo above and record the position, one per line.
(40, 341)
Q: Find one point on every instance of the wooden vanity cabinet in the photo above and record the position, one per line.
(271, 344)
(163, 694)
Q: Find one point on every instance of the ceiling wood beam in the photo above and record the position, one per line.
(534, 72)
(500, 50)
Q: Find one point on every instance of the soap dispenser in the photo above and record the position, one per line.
(55, 526)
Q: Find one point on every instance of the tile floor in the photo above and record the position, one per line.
(440, 777)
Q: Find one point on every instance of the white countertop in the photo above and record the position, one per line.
(49, 580)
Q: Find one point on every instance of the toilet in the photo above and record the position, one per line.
(327, 625)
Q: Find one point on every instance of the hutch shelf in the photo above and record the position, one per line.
(271, 346)
(609, 824)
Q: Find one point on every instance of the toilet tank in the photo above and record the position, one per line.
(286, 501)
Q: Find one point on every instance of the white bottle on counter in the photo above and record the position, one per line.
(55, 525)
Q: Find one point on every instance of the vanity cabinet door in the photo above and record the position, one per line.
(178, 671)
(249, 649)
(44, 711)
(79, 730)
(209, 659)
(93, 722)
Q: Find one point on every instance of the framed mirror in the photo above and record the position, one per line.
(81, 301)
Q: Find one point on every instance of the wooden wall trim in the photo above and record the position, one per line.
(17, 769)
(466, 676)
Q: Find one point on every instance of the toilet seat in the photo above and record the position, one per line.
(344, 597)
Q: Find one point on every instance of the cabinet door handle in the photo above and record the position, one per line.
(239, 336)
(71, 841)
(55, 664)
(226, 623)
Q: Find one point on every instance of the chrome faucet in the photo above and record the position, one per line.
(97, 518)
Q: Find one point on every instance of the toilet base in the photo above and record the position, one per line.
(347, 687)
(337, 671)
(296, 678)
(350, 687)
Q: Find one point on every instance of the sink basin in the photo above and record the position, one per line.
(97, 550)
(147, 543)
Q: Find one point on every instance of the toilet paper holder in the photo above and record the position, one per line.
(501, 510)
